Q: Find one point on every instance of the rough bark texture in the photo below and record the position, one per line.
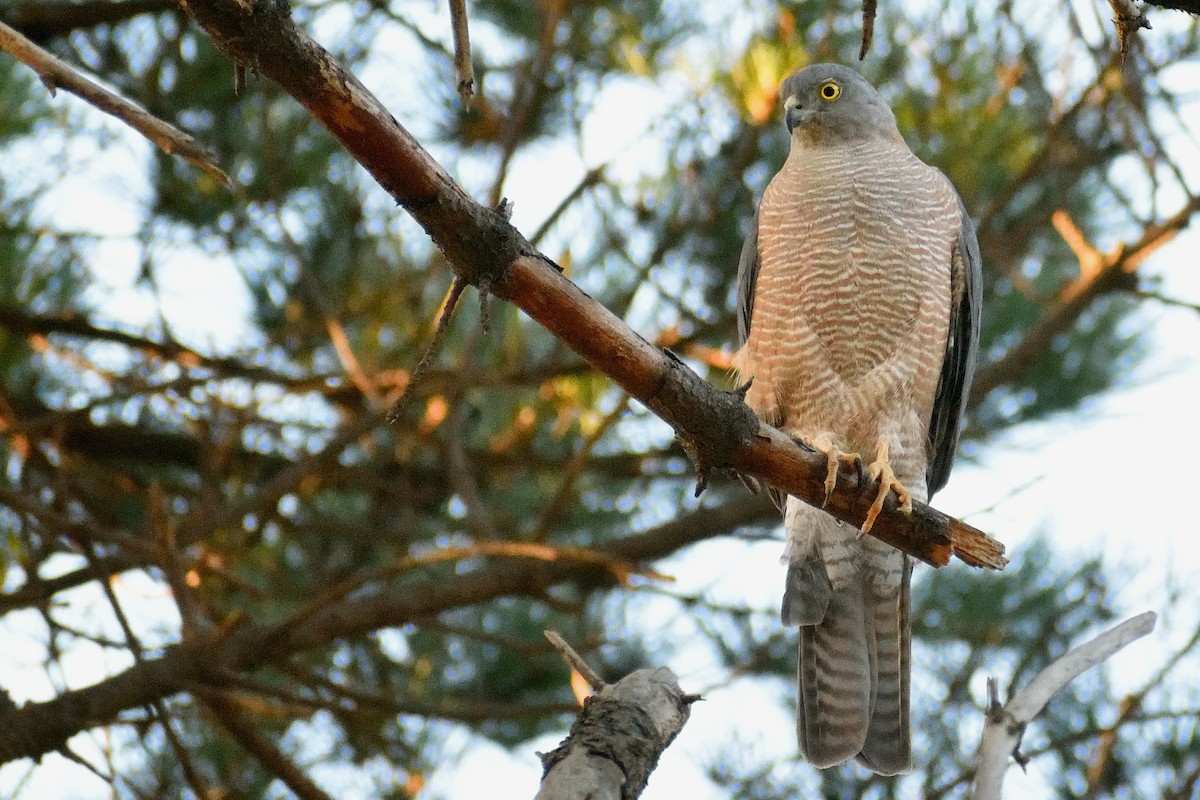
(615, 742)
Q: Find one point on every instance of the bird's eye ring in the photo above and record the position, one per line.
(830, 90)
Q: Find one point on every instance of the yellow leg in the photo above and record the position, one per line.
(881, 471)
(835, 457)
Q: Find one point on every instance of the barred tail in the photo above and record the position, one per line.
(854, 659)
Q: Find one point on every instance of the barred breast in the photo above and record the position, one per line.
(853, 295)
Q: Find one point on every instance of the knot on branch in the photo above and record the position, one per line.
(479, 242)
(711, 424)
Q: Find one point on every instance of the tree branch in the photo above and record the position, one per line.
(716, 428)
(464, 70)
(242, 728)
(206, 658)
(616, 741)
(54, 72)
(1005, 726)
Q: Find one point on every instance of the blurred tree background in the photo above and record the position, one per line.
(194, 384)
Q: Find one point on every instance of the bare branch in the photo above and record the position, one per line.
(575, 661)
(241, 727)
(54, 72)
(445, 314)
(464, 70)
(617, 739)
(1004, 727)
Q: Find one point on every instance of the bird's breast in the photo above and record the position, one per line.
(853, 240)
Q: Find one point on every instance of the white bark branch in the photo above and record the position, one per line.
(1004, 727)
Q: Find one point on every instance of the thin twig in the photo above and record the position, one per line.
(464, 70)
(575, 661)
(1144, 294)
(435, 345)
(243, 729)
(590, 178)
(868, 27)
(55, 73)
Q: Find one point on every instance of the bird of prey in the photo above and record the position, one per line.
(858, 323)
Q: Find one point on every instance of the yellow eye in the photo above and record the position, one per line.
(830, 90)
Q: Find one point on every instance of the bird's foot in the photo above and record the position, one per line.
(835, 458)
(881, 471)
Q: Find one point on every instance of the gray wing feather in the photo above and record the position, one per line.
(746, 278)
(962, 344)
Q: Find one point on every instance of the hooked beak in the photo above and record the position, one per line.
(794, 114)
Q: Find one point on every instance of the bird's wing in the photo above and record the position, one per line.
(962, 344)
(746, 278)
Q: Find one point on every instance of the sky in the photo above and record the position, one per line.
(1113, 477)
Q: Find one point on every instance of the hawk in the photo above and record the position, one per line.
(858, 324)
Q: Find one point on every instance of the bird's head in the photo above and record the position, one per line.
(826, 102)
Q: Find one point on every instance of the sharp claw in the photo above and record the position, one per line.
(873, 511)
(835, 458)
(830, 481)
(881, 472)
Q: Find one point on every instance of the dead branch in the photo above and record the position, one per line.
(616, 741)
(55, 73)
(1005, 725)
(464, 70)
(575, 661)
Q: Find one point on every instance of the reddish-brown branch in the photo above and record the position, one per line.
(716, 428)
(56, 73)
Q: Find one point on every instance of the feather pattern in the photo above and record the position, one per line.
(860, 277)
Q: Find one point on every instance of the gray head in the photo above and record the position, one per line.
(829, 102)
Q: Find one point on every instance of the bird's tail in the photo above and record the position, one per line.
(854, 648)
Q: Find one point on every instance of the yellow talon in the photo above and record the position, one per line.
(835, 458)
(881, 471)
